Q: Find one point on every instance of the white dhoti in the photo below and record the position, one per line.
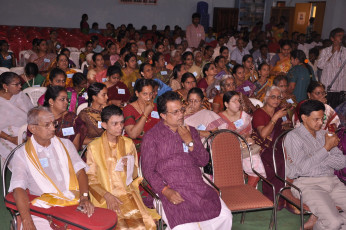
(222, 222)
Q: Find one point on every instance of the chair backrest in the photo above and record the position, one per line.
(74, 56)
(17, 70)
(256, 102)
(81, 107)
(226, 159)
(275, 156)
(3, 170)
(22, 133)
(4, 69)
(35, 93)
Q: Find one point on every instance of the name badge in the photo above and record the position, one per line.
(201, 127)
(217, 87)
(186, 149)
(121, 91)
(46, 60)
(67, 131)
(239, 123)
(246, 88)
(139, 62)
(155, 114)
(8, 57)
(85, 95)
(133, 84)
(44, 162)
(194, 74)
(163, 72)
(104, 79)
(290, 101)
(70, 75)
(284, 118)
(99, 124)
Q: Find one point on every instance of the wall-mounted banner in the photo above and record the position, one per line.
(143, 2)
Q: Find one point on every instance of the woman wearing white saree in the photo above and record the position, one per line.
(14, 106)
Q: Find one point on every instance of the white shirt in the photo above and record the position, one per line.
(21, 177)
(331, 67)
(238, 55)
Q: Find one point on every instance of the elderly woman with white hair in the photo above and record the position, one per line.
(268, 123)
(174, 60)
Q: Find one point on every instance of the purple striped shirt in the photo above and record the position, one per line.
(164, 162)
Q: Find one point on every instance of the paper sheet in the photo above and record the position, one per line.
(119, 167)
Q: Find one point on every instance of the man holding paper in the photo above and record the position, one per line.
(113, 182)
(49, 167)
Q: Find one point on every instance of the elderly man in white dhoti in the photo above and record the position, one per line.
(49, 167)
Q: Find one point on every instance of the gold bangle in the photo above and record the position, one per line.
(271, 121)
(146, 117)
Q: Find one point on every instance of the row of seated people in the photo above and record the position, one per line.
(141, 115)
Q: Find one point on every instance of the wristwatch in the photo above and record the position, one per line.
(85, 194)
(190, 144)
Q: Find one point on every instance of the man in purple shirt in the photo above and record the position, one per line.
(171, 157)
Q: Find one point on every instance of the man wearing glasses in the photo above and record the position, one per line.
(49, 167)
(171, 156)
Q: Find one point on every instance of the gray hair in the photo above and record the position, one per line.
(224, 79)
(269, 90)
(34, 113)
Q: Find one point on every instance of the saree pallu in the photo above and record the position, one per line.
(131, 117)
(261, 118)
(91, 118)
(283, 65)
(130, 80)
(260, 91)
(247, 88)
(289, 101)
(44, 63)
(68, 120)
(102, 156)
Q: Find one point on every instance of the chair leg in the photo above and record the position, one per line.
(242, 220)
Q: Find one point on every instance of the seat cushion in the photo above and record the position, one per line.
(100, 220)
(244, 197)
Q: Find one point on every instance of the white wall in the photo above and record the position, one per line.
(67, 13)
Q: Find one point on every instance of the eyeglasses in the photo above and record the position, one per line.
(49, 124)
(273, 97)
(64, 99)
(176, 112)
(320, 93)
(194, 101)
(18, 84)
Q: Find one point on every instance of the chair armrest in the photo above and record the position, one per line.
(145, 186)
(211, 183)
(264, 179)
